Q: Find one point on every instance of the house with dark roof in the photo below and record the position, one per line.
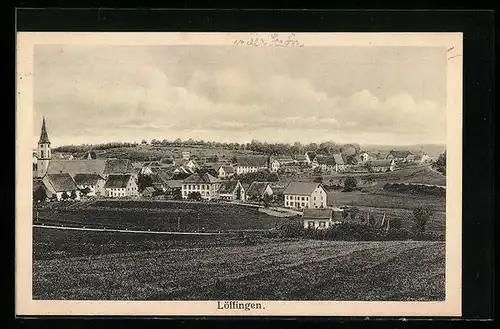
(398, 155)
(232, 190)
(249, 164)
(40, 193)
(148, 192)
(120, 185)
(62, 186)
(203, 183)
(317, 218)
(90, 155)
(302, 159)
(381, 165)
(173, 186)
(93, 182)
(311, 155)
(223, 170)
(305, 195)
(257, 190)
(340, 164)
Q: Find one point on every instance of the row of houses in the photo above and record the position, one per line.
(295, 194)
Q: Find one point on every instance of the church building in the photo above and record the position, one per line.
(44, 154)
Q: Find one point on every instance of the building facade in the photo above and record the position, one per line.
(120, 185)
(203, 183)
(305, 195)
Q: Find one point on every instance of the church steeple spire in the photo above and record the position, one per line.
(44, 137)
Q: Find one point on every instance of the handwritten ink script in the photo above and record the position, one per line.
(273, 40)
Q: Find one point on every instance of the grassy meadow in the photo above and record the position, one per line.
(126, 266)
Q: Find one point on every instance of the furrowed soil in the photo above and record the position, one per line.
(127, 266)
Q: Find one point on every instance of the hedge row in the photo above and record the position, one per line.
(415, 189)
(354, 232)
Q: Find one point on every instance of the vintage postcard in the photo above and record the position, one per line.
(239, 174)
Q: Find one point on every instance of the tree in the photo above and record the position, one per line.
(73, 195)
(65, 196)
(177, 194)
(194, 196)
(441, 163)
(144, 181)
(144, 142)
(39, 194)
(350, 183)
(318, 179)
(266, 200)
(421, 216)
(85, 191)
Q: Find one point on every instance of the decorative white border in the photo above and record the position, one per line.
(25, 305)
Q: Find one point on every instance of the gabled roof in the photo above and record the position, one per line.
(311, 155)
(338, 159)
(411, 157)
(61, 182)
(44, 137)
(301, 188)
(74, 167)
(37, 183)
(203, 178)
(312, 213)
(380, 163)
(300, 157)
(173, 183)
(257, 188)
(91, 155)
(325, 160)
(251, 161)
(399, 154)
(87, 179)
(118, 166)
(228, 187)
(228, 169)
(117, 181)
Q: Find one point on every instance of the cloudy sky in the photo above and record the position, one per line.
(367, 95)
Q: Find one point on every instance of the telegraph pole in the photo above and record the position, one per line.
(198, 222)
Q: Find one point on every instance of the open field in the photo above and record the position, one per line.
(158, 216)
(384, 199)
(97, 265)
(418, 174)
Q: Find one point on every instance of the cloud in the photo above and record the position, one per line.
(131, 98)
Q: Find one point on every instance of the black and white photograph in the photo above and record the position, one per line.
(229, 172)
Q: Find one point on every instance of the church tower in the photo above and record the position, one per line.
(44, 153)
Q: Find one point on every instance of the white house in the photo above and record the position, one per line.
(207, 185)
(302, 159)
(317, 218)
(223, 171)
(94, 182)
(382, 165)
(232, 190)
(275, 165)
(249, 164)
(62, 186)
(305, 195)
(120, 185)
(363, 157)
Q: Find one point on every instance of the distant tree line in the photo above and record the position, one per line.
(440, 163)
(325, 148)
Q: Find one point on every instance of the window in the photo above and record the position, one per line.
(322, 224)
(310, 224)
(314, 198)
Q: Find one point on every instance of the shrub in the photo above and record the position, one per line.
(420, 217)
(350, 183)
(395, 223)
(194, 196)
